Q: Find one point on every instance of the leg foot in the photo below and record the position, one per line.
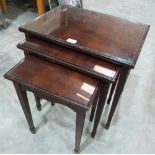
(107, 126)
(93, 134)
(52, 103)
(38, 108)
(33, 130)
(76, 151)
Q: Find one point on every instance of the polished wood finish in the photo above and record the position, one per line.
(103, 36)
(74, 86)
(74, 60)
(71, 59)
(106, 37)
(57, 83)
(94, 37)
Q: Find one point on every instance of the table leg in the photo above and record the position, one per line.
(25, 105)
(80, 118)
(104, 87)
(124, 72)
(94, 105)
(111, 91)
(38, 105)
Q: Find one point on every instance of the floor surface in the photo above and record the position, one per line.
(133, 126)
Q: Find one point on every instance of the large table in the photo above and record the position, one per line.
(108, 38)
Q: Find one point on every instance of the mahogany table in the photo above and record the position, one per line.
(72, 59)
(89, 65)
(57, 83)
(105, 37)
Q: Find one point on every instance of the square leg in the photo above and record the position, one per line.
(80, 118)
(119, 89)
(93, 109)
(112, 91)
(25, 105)
(104, 87)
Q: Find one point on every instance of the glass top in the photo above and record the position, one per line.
(95, 33)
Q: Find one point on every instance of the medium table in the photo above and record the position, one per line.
(105, 37)
(106, 72)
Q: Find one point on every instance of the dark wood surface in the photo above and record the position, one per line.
(104, 36)
(71, 59)
(55, 79)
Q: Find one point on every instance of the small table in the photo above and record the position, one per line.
(106, 37)
(55, 83)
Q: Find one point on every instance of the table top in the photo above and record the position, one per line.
(67, 57)
(104, 36)
(56, 80)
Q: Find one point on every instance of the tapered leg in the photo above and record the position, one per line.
(94, 106)
(112, 91)
(38, 105)
(103, 95)
(80, 118)
(25, 105)
(124, 72)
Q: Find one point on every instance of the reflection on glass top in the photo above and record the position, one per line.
(88, 30)
(105, 71)
(86, 90)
